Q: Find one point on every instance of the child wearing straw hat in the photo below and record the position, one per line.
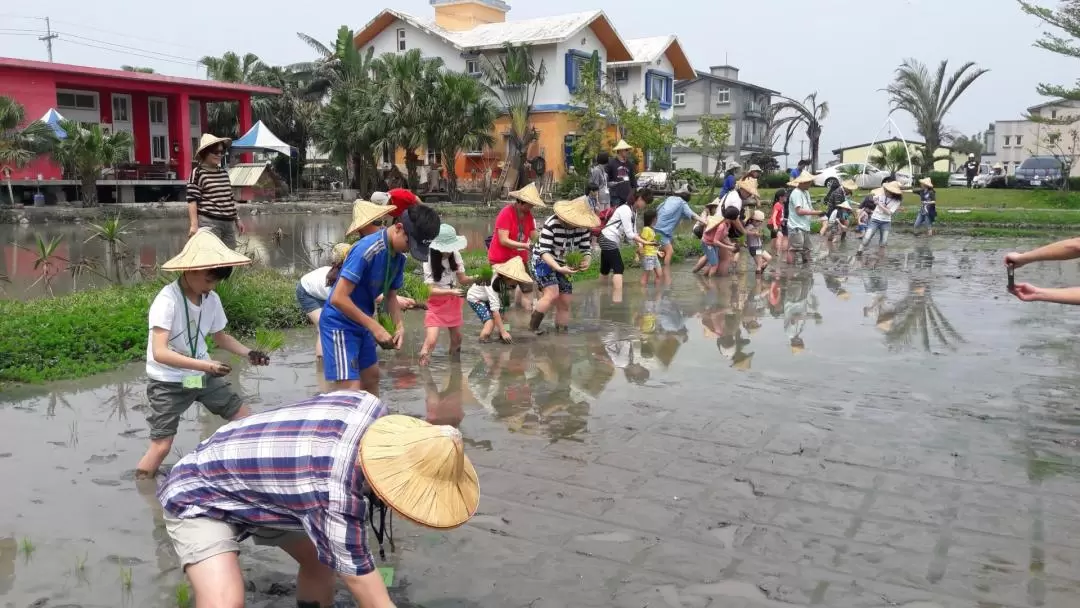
(305, 477)
(313, 290)
(568, 230)
(485, 297)
(375, 266)
(368, 218)
(445, 273)
(928, 208)
(754, 247)
(178, 364)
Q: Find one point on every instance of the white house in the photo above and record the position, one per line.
(658, 62)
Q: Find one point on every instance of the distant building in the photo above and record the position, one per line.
(859, 153)
(466, 33)
(1011, 142)
(165, 115)
(719, 92)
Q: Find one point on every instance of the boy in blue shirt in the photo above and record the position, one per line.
(348, 327)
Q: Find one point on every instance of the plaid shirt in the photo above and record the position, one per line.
(293, 468)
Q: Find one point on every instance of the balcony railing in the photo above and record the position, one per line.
(754, 112)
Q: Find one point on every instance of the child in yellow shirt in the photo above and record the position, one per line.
(650, 262)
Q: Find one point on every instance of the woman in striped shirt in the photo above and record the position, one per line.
(209, 193)
(570, 229)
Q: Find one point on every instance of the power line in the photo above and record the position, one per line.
(84, 26)
(124, 47)
(189, 62)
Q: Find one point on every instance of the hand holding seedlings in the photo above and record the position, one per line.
(257, 357)
(217, 368)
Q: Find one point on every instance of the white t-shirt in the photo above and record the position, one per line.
(484, 293)
(892, 204)
(731, 199)
(314, 283)
(448, 276)
(620, 225)
(167, 312)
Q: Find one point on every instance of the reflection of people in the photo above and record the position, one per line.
(375, 266)
(445, 406)
(1068, 249)
(796, 307)
(178, 364)
(296, 478)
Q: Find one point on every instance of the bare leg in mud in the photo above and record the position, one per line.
(315, 580)
(159, 450)
(562, 312)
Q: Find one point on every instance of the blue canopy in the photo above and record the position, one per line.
(259, 137)
(53, 118)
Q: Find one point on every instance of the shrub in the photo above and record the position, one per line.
(690, 176)
(93, 331)
(774, 180)
(571, 186)
(1074, 184)
(940, 179)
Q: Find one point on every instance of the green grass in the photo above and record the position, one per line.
(964, 198)
(87, 332)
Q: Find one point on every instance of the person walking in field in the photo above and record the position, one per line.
(182, 316)
(621, 174)
(568, 230)
(927, 207)
(445, 273)
(801, 209)
(887, 201)
(971, 170)
(209, 192)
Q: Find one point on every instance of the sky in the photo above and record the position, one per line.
(846, 50)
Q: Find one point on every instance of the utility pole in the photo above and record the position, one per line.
(48, 38)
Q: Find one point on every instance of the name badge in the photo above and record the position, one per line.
(194, 381)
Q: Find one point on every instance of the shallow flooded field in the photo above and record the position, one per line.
(892, 432)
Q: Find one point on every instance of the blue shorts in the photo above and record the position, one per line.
(308, 303)
(347, 353)
(712, 255)
(482, 310)
(664, 239)
(546, 277)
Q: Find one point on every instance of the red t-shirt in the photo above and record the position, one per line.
(518, 231)
(777, 215)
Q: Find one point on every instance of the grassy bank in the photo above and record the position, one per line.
(93, 331)
(88, 332)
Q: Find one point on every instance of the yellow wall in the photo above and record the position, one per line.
(858, 155)
(467, 15)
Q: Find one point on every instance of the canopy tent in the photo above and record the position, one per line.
(53, 118)
(260, 138)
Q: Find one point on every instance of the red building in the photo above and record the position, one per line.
(165, 115)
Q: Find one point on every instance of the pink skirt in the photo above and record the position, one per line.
(443, 311)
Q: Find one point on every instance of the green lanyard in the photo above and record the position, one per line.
(386, 270)
(192, 341)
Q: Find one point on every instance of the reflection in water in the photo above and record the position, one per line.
(916, 319)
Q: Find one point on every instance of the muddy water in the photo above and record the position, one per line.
(915, 363)
(289, 242)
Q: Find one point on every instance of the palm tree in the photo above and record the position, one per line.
(135, 68)
(87, 150)
(929, 97)
(230, 67)
(346, 127)
(406, 84)
(515, 80)
(467, 114)
(789, 115)
(19, 146)
(891, 158)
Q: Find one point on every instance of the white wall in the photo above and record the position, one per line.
(554, 90)
(635, 86)
(429, 45)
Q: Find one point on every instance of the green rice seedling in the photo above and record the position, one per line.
(386, 322)
(416, 288)
(183, 595)
(269, 340)
(574, 259)
(27, 548)
(484, 275)
(126, 576)
(80, 562)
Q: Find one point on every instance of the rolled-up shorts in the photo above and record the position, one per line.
(799, 239)
(650, 263)
(347, 353)
(308, 303)
(169, 400)
(199, 538)
(712, 255)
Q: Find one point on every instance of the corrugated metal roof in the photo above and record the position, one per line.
(245, 175)
(646, 50)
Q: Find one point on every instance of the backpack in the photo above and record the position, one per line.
(605, 217)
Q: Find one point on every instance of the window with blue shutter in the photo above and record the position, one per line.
(660, 86)
(575, 63)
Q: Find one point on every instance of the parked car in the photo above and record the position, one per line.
(866, 176)
(1040, 172)
(958, 179)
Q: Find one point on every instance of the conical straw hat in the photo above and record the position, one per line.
(205, 250)
(514, 269)
(364, 212)
(340, 252)
(804, 178)
(622, 145)
(529, 194)
(714, 221)
(577, 213)
(749, 184)
(208, 140)
(420, 471)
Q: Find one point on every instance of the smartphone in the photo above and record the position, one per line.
(1012, 279)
